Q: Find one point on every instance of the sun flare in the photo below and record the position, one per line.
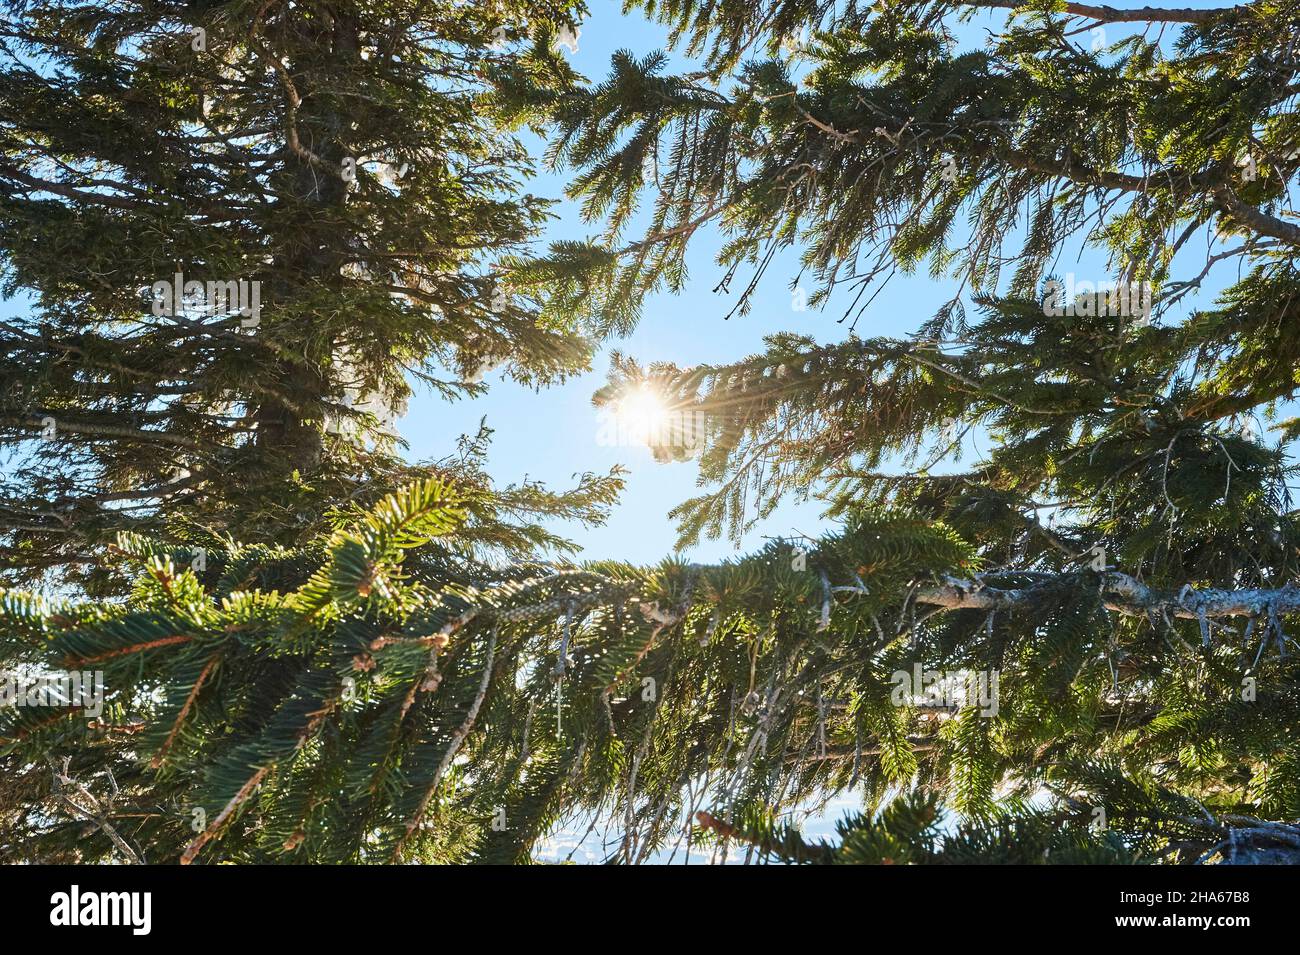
(642, 413)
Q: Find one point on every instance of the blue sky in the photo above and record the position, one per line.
(552, 434)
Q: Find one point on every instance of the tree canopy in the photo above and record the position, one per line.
(1118, 571)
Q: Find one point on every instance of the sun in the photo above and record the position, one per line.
(641, 414)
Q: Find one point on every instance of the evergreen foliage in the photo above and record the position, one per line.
(382, 686)
(1133, 520)
(340, 155)
(376, 695)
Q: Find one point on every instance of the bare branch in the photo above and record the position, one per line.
(1122, 594)
(1106, 14)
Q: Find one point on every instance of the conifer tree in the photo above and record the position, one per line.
(238, 232)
